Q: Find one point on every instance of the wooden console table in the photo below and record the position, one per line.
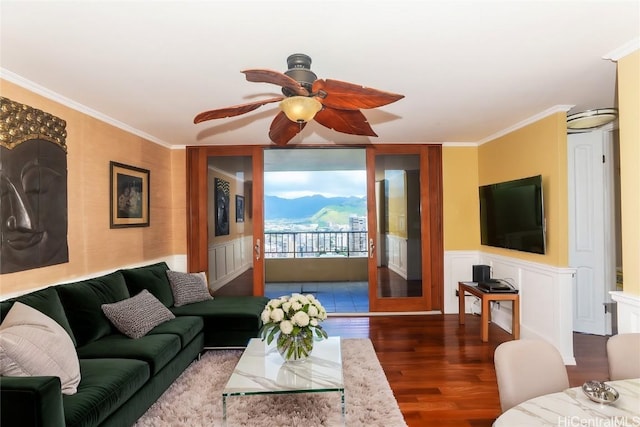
(485, 314)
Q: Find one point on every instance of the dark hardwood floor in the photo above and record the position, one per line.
(440, 371)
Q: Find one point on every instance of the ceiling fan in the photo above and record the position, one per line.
(332, 103)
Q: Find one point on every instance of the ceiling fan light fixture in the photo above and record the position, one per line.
(300, 109)
(590, 119)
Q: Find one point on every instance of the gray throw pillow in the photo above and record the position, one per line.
(188, 288)
(137, 315)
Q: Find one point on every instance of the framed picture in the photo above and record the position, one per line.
(239, 208)
(222, 207)
(129, 196)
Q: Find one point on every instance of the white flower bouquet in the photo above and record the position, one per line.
(293, 321)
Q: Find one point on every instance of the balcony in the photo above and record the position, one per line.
(315, 256)
(312, 244)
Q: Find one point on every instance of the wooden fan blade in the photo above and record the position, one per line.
(236, 110)
(282, 129)
(348, 96)
(346, 121)
(276, 78)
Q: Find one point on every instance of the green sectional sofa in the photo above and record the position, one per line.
(120, 377)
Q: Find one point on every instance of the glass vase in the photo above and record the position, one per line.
(295, 348)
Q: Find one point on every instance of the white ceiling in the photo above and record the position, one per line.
(469, 70)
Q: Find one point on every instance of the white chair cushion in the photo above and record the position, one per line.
(623, 356)
(526, 369)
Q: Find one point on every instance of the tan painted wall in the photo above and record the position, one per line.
(460, 198)
(538, 148)
(236, 229)
(397, 203)
(629, 107)
(93, 246)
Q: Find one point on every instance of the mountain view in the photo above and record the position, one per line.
(319, 211)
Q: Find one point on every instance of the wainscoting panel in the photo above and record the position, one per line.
(397, 261)
(628, 311)
(457, 268)
(228, 260)
(546, 296)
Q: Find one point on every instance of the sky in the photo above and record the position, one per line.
(292, 184)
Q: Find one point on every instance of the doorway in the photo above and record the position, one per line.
(315, 218)
(594, 240)
(423, 191)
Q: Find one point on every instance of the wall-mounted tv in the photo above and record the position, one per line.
(512, 215)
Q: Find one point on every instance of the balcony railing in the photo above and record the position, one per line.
(309, 244)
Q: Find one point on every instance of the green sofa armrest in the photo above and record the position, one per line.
(31, 402)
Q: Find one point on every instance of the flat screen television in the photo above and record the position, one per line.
(512, 215)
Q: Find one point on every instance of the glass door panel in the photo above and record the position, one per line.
(399, 277)
(225, 222)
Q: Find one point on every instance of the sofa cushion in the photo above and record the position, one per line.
(188, 288)
(156, 350)
(151, 277)
(32, 344)
(137, 315)
(186, 327)
(228, 321)
(106, 384)
(82, 301)
(231, 313)
(45, 301)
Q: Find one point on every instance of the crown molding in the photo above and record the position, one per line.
(459, 144)
(624, 50)
(54, 96)
(525, 122)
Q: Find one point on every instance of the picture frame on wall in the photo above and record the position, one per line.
(239, 208)
(129, 196)
(222, 207)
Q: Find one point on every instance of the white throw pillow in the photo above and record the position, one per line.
(33, 344)
(188, 288)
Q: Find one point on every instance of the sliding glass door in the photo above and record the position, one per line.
(398, 241)
(225, 218)
(405, 236)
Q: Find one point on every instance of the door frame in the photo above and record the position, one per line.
(197, 215)
(431, 205)
(595, 278)
(431, 232)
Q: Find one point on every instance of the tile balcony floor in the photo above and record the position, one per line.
(336, 297)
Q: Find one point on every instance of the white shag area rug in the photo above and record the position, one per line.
(195, 398)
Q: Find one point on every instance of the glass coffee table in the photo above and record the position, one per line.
(261, 370)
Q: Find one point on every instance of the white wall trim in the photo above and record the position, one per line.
(628, 311)
(176, 262)
(459, 144)
(546, 296)
(54, 96)
(229, 260)
(624, 50)
(528, 121)
(397, 255)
